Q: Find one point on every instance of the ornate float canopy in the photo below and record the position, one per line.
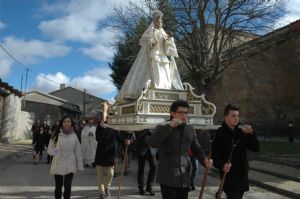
(153, 107)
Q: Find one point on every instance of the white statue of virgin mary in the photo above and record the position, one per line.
(155, 61)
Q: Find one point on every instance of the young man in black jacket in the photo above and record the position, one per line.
(173, 140)
(243, 137)
(105, 156)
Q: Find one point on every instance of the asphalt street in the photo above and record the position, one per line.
(20, 178)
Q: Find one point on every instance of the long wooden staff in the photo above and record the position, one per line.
(219, 193)
(206, 169)
(123, 169)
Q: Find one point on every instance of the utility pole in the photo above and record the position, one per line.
(25, 87)
(22, 82)
(26, 80)
(83, 102)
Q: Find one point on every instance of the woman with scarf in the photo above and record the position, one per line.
(65, 148)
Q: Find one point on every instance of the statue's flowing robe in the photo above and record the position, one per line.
(152, 63)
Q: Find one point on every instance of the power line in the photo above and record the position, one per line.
(29, 70)
(25, 67)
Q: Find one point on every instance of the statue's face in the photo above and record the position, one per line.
(158, 22)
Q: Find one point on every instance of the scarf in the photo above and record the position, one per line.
(67, 131)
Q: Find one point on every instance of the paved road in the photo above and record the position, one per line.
(19, 178)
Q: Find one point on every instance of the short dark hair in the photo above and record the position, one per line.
(179, 103)
(230, 107)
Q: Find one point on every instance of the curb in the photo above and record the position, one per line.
(275, 189)
(276, 161)
(276, 174)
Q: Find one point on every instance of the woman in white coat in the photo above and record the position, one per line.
(65, 148)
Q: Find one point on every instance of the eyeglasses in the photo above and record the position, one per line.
(183, 112)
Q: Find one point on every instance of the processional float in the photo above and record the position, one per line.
(152, 85)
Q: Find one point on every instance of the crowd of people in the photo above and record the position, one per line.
(172, 151)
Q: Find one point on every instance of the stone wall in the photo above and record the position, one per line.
(265, 85)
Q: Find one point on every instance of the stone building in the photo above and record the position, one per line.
(264, 80)
(91, 107)
(47, 107)
(10, 107)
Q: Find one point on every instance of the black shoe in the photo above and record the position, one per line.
(107, 192)
(102, 196)
(149, 190)
(192, 188)
(141, 191)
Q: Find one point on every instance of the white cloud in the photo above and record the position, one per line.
(29, 52)
(82, 21)
(43, 83)
(292, 10)
(95, 85)
(96, 82)
(5, 64)
(4, 69)
(2, 25)
(99, 52)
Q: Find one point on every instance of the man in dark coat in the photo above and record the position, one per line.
(145, 152)
(48, 134)
(105, 156)
(173, 140)
(229, 134)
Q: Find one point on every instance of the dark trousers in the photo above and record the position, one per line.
(65, 181)
(168, 192)
(49, 158)
(141, 166)
(235, 195)
(194, 169)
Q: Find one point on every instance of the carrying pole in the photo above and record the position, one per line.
(206, 169)
(219, 193)
(123, 169)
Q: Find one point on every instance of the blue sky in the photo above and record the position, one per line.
(66, 42)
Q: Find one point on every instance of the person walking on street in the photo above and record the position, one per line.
(48, 135)
(145, 153)
(39, 143)
(65, 148)
(105, 156)
(229, 152)
(173, 140)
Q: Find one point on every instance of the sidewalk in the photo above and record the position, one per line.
(276, 139)
(276, 177)
(8, 150)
